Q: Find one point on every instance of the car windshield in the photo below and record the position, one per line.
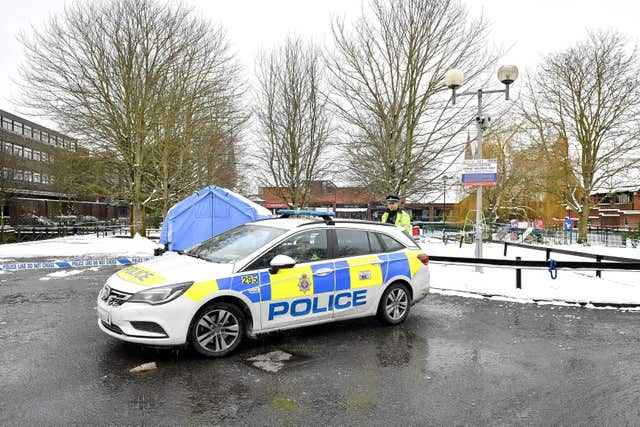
(235, 244)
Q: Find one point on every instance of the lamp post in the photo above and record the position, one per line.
(444, 200)
(454, 79)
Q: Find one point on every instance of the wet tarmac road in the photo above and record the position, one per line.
(455, 361)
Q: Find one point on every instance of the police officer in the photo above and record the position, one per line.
(395, 215)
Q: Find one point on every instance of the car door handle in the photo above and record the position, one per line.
(324, 272)
(378, 262)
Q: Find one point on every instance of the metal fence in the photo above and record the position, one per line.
(28, 233)
(610, 237)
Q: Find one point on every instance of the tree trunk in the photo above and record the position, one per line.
(583, 222)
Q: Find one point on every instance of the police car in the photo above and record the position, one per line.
(264, 276)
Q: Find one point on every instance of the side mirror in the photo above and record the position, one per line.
(281, 261)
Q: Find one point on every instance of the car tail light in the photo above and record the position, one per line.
(424, 258)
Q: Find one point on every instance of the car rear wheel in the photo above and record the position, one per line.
(217, 329)
(395, 304)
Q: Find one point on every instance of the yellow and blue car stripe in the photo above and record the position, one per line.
(355, 273)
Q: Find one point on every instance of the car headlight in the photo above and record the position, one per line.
(161, 294)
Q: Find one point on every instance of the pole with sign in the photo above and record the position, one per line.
(479, 172)
(454, 79)
(568, 226)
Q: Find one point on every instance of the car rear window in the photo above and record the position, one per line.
(390, 244)
(352, 243)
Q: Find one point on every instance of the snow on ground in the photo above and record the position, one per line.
(86, 246)
(537, 285)
(569, 286)
(64, 273)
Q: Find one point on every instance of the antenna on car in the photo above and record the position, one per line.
(326, 216)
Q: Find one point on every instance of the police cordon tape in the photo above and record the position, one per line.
(70, 264)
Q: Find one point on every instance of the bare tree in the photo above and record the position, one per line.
(294, 125)
(388, 75)
(127, 75)
(589, 96)
(197, 139)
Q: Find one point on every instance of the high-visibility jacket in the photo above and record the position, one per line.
(402, 219)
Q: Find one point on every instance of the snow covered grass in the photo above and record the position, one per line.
(86, 246)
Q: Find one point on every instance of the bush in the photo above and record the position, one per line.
(633, 236)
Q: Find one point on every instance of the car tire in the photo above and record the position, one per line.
(395, 304)
(217, 329)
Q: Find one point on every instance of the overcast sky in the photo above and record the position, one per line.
(532, 29)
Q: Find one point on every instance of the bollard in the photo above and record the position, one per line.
(599, 272)
(548, 254)
(505, 249)
(518, 275)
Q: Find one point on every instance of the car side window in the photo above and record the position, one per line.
(352, 243)
(374, 243)
(390, 244)
(308, 246)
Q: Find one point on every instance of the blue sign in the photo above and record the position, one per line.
(568, 224)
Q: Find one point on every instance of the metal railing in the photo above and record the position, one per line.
(551, 265)
(23, 233)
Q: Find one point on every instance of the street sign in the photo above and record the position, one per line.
(568, 224)
(479, 172)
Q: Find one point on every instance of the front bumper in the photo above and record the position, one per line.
(164, 324)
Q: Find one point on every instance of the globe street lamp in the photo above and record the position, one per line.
(454, 79)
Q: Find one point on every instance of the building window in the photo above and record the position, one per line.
(17, 150)
(27, 176)
(36, 134)
(44, 137)
(45, 156)
(6, 123)
(27, 153)
(36, 177)
(7, 147)
(45, 178)
(17, 175)
(36, 155)
(27, 131)
(623, 198)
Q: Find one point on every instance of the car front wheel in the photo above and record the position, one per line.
(217, 329)
(394, 304)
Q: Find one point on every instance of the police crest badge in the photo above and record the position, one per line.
(304, 284)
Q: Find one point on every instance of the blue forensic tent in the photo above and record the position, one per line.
(206, 213)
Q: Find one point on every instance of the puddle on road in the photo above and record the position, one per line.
(276, 360)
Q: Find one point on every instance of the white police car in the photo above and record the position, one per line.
(264, 276)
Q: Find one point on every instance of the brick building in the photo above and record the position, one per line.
(27, 179)
(350, 202)
(614, 209)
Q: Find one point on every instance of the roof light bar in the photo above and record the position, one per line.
(326, 216)
(302, 212)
